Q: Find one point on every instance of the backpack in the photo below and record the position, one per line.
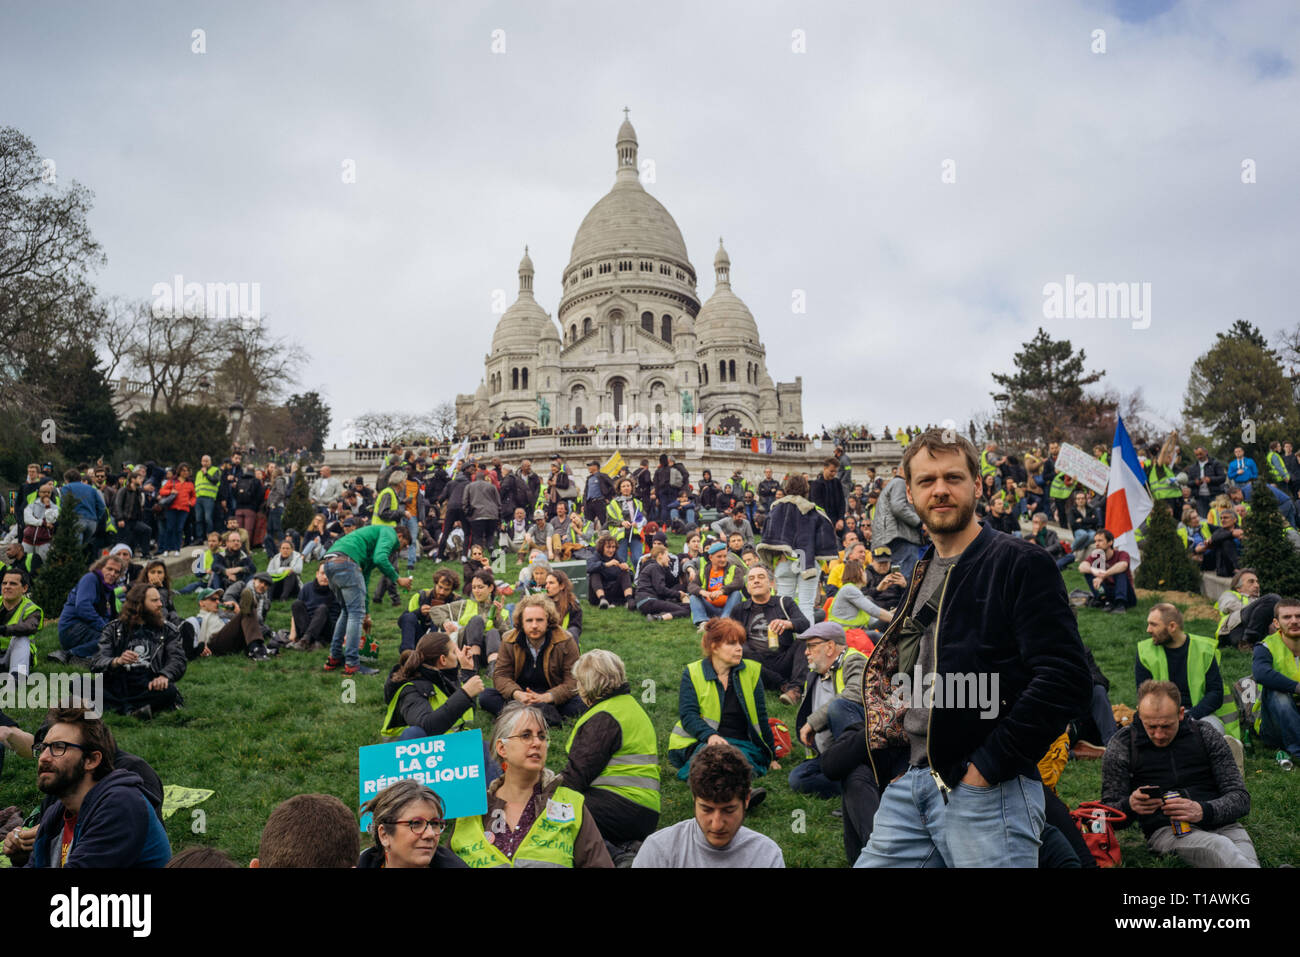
(675, 477)
(780, 737)
(1096, 823)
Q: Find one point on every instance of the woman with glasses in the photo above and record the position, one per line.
(532, 820)
(407, 823)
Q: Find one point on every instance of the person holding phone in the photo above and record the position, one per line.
(1166, 751)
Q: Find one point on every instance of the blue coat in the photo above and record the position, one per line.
(794, 526)
(1244, 471)
(116, 827)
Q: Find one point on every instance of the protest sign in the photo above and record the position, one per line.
(450, 764)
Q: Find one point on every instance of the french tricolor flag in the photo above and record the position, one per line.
(1128, 502)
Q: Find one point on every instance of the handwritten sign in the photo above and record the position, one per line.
(1089, 471)
(450, 764)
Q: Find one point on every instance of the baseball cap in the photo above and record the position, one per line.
(594, 462)
(203, 593)
(826, 631)
(881, 552)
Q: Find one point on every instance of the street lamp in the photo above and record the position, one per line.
(1002, 400)
(236, 417)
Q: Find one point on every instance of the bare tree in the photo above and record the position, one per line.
(442, 421)
(257, 366)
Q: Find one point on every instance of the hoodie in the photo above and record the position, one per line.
(116, 827)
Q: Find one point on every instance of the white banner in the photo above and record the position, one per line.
(1086, 469)
(722, 443)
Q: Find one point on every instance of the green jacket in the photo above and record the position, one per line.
(369, 546)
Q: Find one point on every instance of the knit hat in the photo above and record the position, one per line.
(717, 547)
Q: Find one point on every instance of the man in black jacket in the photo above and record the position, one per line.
(980, 670)
(597, 492)
(1205, 476)
(768, 618)
(828, 493)
(141, 657)
(454, 495)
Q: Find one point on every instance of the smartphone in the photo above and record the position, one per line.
(895, 569)
(1153, 791)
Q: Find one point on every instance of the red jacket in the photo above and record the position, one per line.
(184, 494)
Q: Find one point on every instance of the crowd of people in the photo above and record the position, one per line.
(826, 591)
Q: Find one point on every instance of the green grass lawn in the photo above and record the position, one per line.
(257, 733)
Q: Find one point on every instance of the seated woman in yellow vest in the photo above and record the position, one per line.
(853, 609)
(532, 819)
(477, 621)
(613, 754)
(560, 591)
(407, 824)
(721, 698)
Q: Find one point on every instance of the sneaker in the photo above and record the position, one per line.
(756, 797)
(1095, 603)
(604, 603)
(837, 812)
(791, 696)
(359, 670)
(1238, 753)
(257, 651)
(144, 713)
(333, 664)
(1117, 609)
(59, 655)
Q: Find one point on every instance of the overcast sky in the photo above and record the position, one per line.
(822, 169)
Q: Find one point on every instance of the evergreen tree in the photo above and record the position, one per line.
(1165, 565)
(184, 434)
(65, 563)
(1048, 393)
(1238, 393)
(1266, 547)
(298, 512)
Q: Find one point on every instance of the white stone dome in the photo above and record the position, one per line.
(525, 324)
(628, 220)
(724, 318)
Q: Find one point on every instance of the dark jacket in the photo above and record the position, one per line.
(829, 495)
(223, 560)
(443, 856)
(1197, 761)
(777, 608)
(606, 486)
(794, 526)
(163, 653)
(1005, 613)
(654, 581)
(313, 596)
(1213, 470)
(414, 706)
(688, 710)
(116, 827)
(91, 602)
(249, 492)
(1085, 518)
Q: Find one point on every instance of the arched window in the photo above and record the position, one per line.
(659, 414)
(524, 380)
(573, 332)
(704, 374)
(732, 370)
(618, 400)
(666, 328)
(514, 378)
(648, 322)
(722, 370)
(586, 325)
(577, 416)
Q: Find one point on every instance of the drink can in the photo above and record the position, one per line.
(1284, 761)
(1179, 827)
(773, 639)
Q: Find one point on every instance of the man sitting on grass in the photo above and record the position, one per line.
(141, 657)
(1276, 671)
(716, 835)
(1106, 571)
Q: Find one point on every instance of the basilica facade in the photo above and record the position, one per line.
(632, 342)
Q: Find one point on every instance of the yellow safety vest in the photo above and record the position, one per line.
(633, 770)
(706, 693)
(436, 700)
(1284, 663)
(380, 507)
(25, 607)
(1201, 652)
(548, 843)
(1223, 618)
(206, 482)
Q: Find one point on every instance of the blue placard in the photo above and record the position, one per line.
(450, 764)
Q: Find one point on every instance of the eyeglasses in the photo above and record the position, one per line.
(419, 825)
(528, 737)
(57, 748)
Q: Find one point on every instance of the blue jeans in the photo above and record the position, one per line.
(841, 713)
(702, 610)
(998, 826)
(86, 530)
(1114, 590)
(274, 530)
(678, 515)
(175, 522)
(79, 639)
(789, 584)
(1281, 721)
(1082, 537)
(205, 516)
(413, 549)
(636, 547)
(807, 778)
(349, 587)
